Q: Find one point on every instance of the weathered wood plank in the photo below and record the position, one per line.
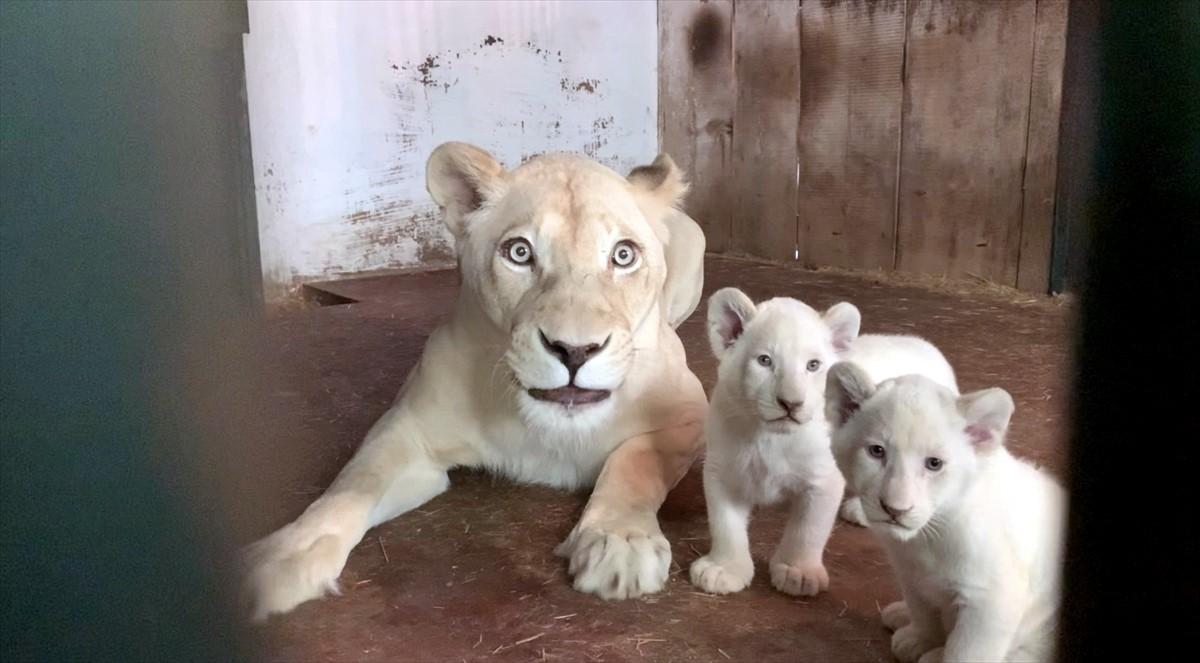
(1041, 155)
(695, 107)
(767, 66)
(852, 54)
(966, 103)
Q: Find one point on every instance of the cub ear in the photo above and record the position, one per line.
(729, 311)
(461, 177)
(662, 181)
(987, 413)
(847, 387)
(843, 320)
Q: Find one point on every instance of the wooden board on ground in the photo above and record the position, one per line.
(695, 107)
(767, 66)
(965, 121)
(849, 142)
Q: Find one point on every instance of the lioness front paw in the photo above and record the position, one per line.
(852, 512)
(932, 656)
(909, 644)
(895, 616)
(617, 565)
(800, 579)
(286, 569)
(721, 577)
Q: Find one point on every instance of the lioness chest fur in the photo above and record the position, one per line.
(974, 535)
(767, 437)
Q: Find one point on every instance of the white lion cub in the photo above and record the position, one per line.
(767, 437)
(972, 533)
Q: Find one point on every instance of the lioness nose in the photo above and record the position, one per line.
(790, 406)
(893, 511)
(572, 356)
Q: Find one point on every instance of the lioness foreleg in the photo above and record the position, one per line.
(617, 550)
(391, 473)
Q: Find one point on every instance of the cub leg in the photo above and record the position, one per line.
(727, 567)
(797, 567)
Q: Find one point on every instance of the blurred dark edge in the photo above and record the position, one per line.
(1130, 586)
(130, 285)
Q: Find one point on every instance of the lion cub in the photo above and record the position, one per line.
(767, 437)
(972, 533)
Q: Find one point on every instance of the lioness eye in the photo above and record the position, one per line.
(764, 360)
(624, 254)
(518, 251)
(876, 451)
(933, 464)
(814, 365)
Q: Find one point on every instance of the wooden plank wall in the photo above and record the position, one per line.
(918, 135)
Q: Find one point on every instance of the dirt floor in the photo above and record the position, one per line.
(471, 575)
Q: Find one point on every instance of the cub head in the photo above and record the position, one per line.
(909, 447)
(774, 355)
(564, 260)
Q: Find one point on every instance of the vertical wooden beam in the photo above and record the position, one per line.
(1041, 154)
(966, 104)
(766, 40)
(851, 65)
(695, 107)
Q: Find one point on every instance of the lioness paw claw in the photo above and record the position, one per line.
(616, 565)
(284, 571)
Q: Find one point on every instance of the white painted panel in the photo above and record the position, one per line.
(347, 99)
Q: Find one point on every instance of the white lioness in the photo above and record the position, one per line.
(559, 365)
(972, 533)
(766, 434)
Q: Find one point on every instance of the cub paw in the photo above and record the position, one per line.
(721, 577)
(802, 579)
(908, 644)
(852, 512)
(285, 570)
(616, 564)
(895, 616)
(932, 656)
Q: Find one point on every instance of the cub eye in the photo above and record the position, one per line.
(764, 360)
(876, 451)
(933, 464)
(625, 254)
(814, 365)
(518, 251)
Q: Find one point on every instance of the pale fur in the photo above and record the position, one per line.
(976, 544)
(466, 404)
(756, 455)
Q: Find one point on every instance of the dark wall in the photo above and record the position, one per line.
(128, 276)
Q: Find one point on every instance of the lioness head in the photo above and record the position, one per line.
(909, 446)
(566, 260)
(774, 356)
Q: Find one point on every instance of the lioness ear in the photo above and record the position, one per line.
(843, 319)
(847, 387)
(661, 180)
(461, 177)
(987, 413)
(729, 311)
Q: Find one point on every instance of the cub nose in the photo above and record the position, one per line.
(789, 406)
(893, 511)
(572, 356)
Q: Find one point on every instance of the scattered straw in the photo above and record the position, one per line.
(722, 653)
(567, 616)
(383, 549)
(845, 607)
